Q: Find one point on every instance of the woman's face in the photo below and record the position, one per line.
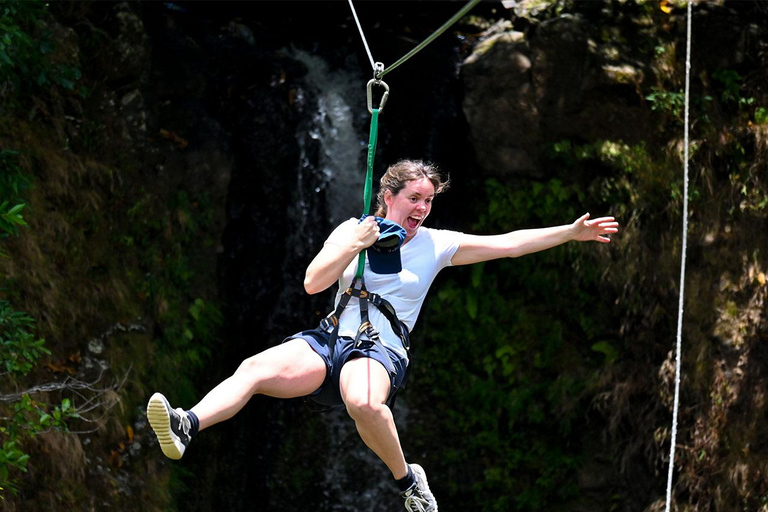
(411, 205)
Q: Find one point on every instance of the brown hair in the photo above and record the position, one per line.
(402, 172)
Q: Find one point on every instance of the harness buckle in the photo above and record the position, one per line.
(329, 323)
(367, 329)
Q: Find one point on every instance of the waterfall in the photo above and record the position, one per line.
(331, 180)
(340, 164)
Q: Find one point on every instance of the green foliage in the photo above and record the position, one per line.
(13, 180)
(29, 418)
(11, 218)
(617, 155)
(13, 183)
(546, 202)
(732, 93)
(19, 348)
(636, 182)
(27, 50)
(516, 349)
(667, 102)
(761, 115)
(11, 458)
(730, 81)
(191, 337)
(166, 238)
(17, 46)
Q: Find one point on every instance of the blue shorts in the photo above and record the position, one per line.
(328, 393)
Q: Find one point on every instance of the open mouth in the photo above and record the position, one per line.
(412, 223)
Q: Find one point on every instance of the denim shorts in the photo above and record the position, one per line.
(328, 393)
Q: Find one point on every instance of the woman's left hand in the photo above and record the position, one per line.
(598, 230)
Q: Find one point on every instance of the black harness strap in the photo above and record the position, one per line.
(331, 322)
(390, 314)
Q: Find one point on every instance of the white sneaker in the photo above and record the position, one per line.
(171, 426)
(418, 498)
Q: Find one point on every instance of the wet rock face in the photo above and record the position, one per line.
(497, 78)
(525, 91)
(131, 50)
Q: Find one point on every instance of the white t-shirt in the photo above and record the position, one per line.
(426, 254)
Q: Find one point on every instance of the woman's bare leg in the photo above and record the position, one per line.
(289, 370)
(365, 388)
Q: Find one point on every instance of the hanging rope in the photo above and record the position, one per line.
(380, 73)
(365, 43)
(678, 346)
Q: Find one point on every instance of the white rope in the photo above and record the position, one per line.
(370, 57)
(682, 266)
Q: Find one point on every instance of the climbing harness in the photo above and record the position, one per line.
(678, 345)
(357, 288)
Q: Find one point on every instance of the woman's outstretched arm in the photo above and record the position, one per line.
(478, 248)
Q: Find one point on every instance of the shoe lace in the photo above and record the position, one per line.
(415, 503)
(185, 423)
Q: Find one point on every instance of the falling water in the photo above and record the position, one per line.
(332, 151)
(340, 164)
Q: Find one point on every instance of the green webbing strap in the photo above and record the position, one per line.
(368, 181)
(371, 154)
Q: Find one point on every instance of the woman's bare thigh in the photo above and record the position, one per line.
(289, 370)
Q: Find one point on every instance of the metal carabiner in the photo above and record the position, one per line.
(371, 83)
(376, 80)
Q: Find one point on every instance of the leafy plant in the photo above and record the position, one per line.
(668, 102)
(761, 115)
(29, 418)
(13, 182)
(20, 348)
(731, 84)
(166, 239)
(11, 458)
(27, 50)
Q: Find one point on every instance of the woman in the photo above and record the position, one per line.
(364, 376)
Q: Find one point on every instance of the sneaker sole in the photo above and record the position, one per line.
(160, 421)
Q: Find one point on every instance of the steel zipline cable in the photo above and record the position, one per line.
(379, 73)
(678, 345)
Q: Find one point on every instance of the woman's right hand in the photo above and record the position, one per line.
(341, 248)
(366, 232)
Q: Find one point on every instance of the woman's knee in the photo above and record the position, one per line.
(361, 407)
(364, 401)
(252, 372)
(249, 366)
